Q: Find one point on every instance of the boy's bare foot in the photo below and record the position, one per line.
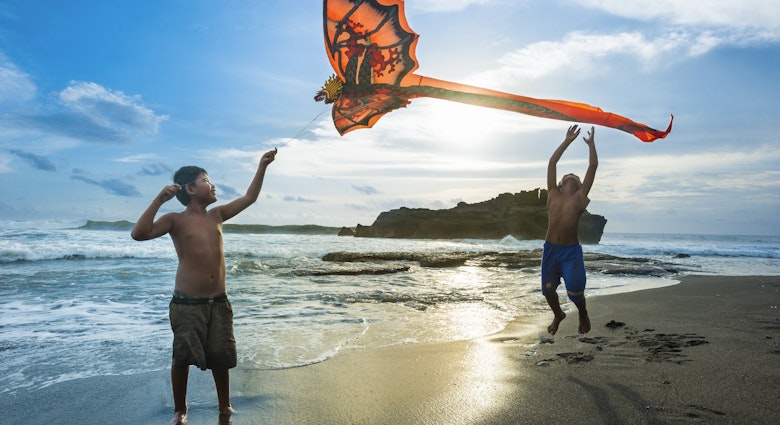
(584, 322)
(553, 328)
(179, 418)
(226, 410)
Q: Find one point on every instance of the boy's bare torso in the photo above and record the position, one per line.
(564, 211)
(198, 241)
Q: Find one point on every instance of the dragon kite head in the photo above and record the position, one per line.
(331, 90)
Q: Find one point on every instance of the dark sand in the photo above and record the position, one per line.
(704, 351)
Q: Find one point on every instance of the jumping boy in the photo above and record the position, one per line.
(562, 257)
(201, 315)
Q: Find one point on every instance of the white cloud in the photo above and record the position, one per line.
(762, 15)
(586, 53)
(697, 27)
(444, 5)
(111, 108)
(589, 54)
(581, 52)
(724, 175)
(137, 158)
(15, 85)
(87, 112)
(5, 164)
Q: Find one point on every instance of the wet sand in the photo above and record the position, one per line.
(704, 351)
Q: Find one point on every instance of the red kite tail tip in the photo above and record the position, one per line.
(654, 135)
(669, 128)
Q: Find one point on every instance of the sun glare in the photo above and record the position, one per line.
(465, 128)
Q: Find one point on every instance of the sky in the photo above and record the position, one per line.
(101, 101)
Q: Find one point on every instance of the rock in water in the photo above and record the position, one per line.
(521, 215)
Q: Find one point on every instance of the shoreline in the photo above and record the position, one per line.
(704, 350)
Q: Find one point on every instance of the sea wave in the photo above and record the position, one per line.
(95, 239)
(296, 229)
(719, 246)
(21, 254)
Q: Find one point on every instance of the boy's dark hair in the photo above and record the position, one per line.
(186, 176)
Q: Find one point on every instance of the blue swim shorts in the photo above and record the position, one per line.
(563, 262)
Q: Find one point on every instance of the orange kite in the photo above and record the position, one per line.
(372, 49)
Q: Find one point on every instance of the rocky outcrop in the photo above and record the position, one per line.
(522, 215)
(390, 262)
(346, 231)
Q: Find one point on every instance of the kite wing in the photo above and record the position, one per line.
(372, 50)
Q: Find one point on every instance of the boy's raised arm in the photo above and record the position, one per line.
(239, 204)
(146, 228)
(552, 178)
(593, 162)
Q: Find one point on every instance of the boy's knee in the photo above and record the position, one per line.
(576, 297)
(548, 289)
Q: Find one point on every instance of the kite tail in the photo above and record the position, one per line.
(419, 86)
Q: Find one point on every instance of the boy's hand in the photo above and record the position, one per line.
(589, 139)
(572, 134)
(168, 192)
(268, 157)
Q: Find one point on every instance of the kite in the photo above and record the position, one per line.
(372, 50)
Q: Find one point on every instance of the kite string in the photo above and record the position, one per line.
(305, 127)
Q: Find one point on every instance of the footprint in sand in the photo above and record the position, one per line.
(569, 358)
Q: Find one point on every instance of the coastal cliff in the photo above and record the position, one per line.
(522, 215)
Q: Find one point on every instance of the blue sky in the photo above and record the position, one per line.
(101, 101)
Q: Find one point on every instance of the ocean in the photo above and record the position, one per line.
(81, 298)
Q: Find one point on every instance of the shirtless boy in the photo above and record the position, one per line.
(200, 313)
(562, 257)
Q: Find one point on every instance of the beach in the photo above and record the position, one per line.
(706, 350)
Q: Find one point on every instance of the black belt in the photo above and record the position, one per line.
(181, 298)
